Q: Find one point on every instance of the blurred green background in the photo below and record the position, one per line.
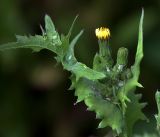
(34, 101)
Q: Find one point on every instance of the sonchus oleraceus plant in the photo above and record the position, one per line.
(108, 88)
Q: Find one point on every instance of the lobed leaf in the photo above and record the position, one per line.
(134, 112)
(133, 82)
(89, 92)
(49, 41)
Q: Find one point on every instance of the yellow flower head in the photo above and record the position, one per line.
(102, 33)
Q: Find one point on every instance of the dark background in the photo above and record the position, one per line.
(34, 100)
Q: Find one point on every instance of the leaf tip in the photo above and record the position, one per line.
(71, 28)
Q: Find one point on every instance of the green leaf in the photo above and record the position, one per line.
(134, 112)
(36, 43)
(71, 28)
(89, 91)
(68, 51)
(51, 41)
(49, 26)
(66, 42)
(51, 33)
(83, 88)
(70, 63)
(81, 70)
(108, 112)
(133, 82)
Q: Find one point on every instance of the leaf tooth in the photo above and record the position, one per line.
(101, 124)
(126, 99)
(71, 87)
(105, 123)
(143, 104)
(79, 100)
(43, 31)
(71, 28)
(139, 85)
(89, 109)
(139, 96)
(97, 116)
(75, 103)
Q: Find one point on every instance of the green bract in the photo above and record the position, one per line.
(107, 88)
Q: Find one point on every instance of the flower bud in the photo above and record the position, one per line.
(122, 56)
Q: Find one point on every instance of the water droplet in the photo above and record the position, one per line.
(121, 83)
(120, 67)
(108, 98)
(107, 68)
(54, 37)
(70, 57)
(84, 66)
